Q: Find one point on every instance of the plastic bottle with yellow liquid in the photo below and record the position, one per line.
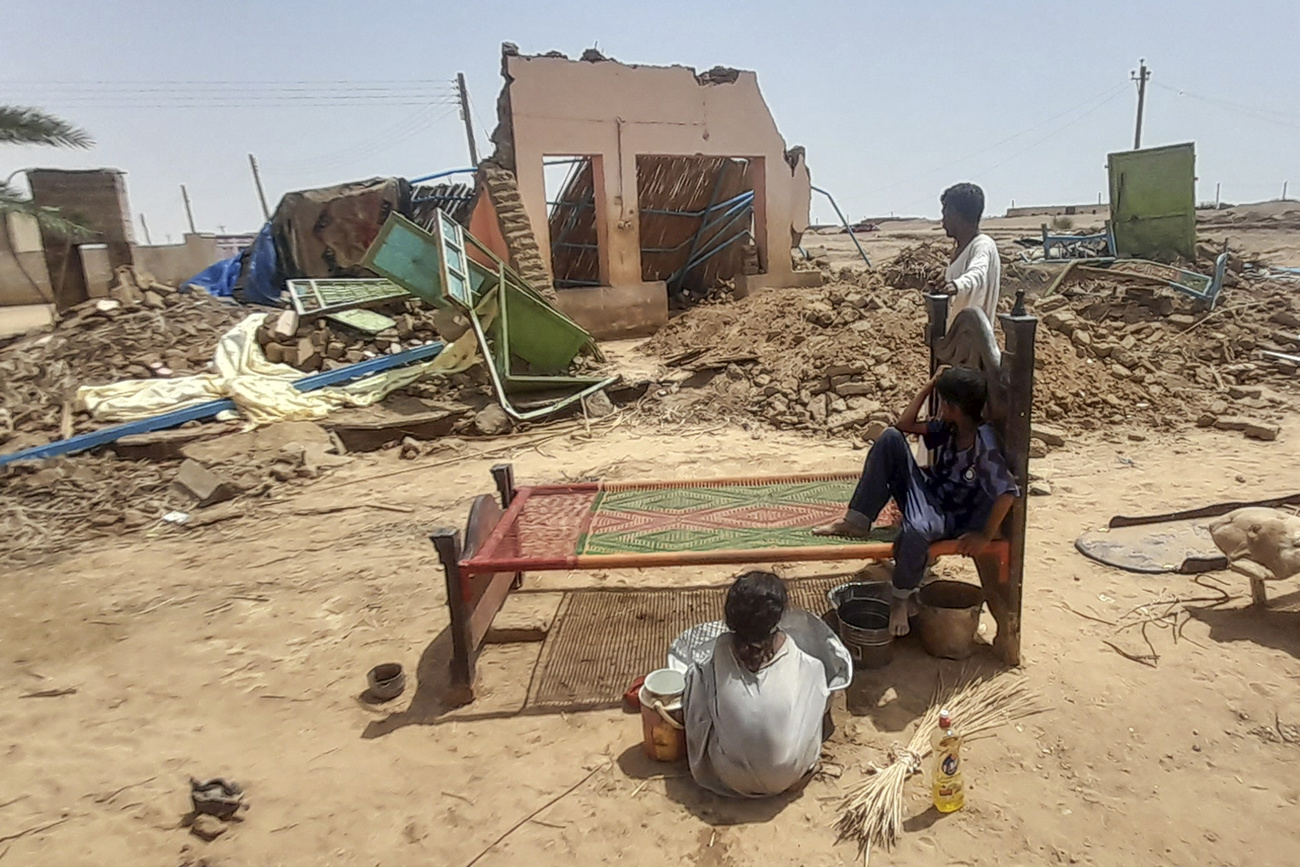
(945, 778)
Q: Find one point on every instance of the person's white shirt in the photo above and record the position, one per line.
(976, 278)
(758, 733)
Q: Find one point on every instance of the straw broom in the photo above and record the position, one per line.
(872, 812)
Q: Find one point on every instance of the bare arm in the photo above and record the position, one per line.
(975, 541)
(909, 423)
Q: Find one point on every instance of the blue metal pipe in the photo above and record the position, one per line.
(177, 417)
(436, 175)
(746, 196)
(707, 254)
(843, 220)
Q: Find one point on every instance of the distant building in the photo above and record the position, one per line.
(1059, 211)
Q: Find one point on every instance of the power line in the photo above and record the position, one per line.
(235, 94)
(323, 103)
(246, 97)
(369, 147)
(487, 130)
(1113, 95)
(359, 147)
(337, 82)
(1255, 112)
(1106, 94)
(1054, 132)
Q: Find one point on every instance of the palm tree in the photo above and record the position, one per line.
(31, 126)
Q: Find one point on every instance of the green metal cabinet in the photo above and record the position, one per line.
(1153, 202)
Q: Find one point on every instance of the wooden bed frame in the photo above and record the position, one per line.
(483, 566)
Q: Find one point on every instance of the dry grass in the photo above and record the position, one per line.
(872, 812)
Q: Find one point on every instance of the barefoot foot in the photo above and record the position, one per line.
(900, 610)
(843, 528)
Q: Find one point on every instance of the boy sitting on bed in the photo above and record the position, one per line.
(965, 494)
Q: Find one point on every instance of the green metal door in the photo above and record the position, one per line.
(1153, 202)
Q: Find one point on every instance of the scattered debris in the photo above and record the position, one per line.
(922, 266)
(99, 342)
(386, 681)
(205, 486)
(50, 693)
(216, 797)
(207, 827)
(492, 421)
(325, 343)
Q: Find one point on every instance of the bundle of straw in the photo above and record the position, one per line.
(872, 813)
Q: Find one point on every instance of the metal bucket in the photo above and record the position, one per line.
(862, 610)
(949, 618)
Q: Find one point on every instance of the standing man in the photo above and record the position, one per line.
(974, 277)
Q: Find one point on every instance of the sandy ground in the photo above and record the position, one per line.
(1252, 231)
(240, 650)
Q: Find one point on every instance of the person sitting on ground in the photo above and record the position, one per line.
(965, 494)
(974, 276)
(754, 710)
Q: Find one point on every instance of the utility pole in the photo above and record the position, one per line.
(1284, 191)
(1140, 77)
(189, 213)
(1216, 195)
(144, 225)
(257, 181)
(465, 115)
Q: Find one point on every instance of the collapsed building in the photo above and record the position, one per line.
(675, 181)
(667, 184)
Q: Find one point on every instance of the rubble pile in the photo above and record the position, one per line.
(1149, 355)
(49, 506)
(844, 360)
(156, 333)
(922, 266)
(841, 359)
(321, 344)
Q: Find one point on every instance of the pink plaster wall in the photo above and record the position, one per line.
(616, 112)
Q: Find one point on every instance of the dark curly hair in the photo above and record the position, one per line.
(966, 201)
(965, 389)
(755, 604)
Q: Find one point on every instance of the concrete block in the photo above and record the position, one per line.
(1261, 431)
(286, 326)
(307, 355)
(1049, 435)
(205, 486)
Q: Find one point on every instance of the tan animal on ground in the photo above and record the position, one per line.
(1259, 537)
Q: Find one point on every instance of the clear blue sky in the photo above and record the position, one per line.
(893, 101)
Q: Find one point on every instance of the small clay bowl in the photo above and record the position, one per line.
(387, 681)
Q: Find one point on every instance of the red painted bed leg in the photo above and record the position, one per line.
(504, 476)
(464, 653)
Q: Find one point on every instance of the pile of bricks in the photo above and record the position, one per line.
(312, 345)
(525, 255)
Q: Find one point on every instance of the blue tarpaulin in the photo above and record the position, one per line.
(218, 279)
(250, 276)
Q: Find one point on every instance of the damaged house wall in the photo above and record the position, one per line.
(615, 113)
